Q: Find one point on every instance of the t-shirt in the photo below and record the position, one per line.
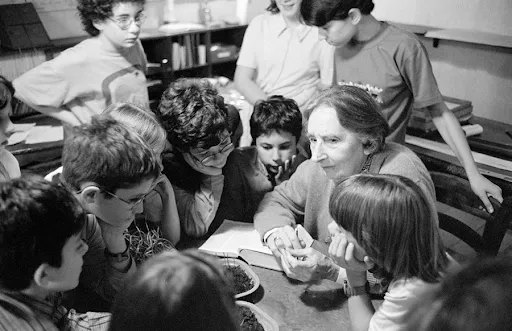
(395, 69)
(291, 62)
(398, 300)
(86, 79)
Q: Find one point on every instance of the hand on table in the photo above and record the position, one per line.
(308, 264)
(283, 238)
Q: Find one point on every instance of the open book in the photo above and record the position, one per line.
(238, 239)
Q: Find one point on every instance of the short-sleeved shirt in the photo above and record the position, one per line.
(291, 62)
(86, 79)
(395, 69)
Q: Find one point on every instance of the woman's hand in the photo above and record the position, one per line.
(282, 239)
(308, 264)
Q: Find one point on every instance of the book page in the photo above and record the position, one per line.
(233, 236)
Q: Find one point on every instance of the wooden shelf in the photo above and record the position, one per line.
(469, 36)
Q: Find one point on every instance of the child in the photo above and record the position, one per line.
(110, 170)
(383, 223)
(393, 66)
(9, 167)
(475, 298)
(250, 172)
(41, 254)
(196, 121)
(182, 291)
(281, 55)
(160, 205)
(108, 67)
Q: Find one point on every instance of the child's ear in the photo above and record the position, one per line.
(90, 194)
(354, 15)
(41, 276)
(99, 24)
(370, 147)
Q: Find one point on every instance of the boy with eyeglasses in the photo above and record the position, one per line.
(109, 169)
(106, 68)
(197, 124)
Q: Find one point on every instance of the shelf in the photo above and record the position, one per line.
(226, 60)
(469, 36)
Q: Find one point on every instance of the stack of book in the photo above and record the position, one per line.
(188, 52)
(421, 119)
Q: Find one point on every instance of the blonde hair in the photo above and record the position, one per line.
(390, 218)
(144, 122)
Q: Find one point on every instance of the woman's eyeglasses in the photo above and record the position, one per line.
(211, 157)
(124, 23)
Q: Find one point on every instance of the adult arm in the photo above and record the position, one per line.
(104, 275)
(449, 128)
(245, 83)
(63, 115)
(326, 64)
(286, 203)
(197, 209)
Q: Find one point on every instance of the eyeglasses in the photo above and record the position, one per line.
(124, 23)
(209, 158)
(131, 202)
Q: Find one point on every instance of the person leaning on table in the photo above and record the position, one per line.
(347, 134)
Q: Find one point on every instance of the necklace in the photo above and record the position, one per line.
(366, 166)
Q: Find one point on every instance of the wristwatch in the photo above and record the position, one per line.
(119, 257)
(355, 291)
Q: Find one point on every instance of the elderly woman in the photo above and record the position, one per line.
(347, 134)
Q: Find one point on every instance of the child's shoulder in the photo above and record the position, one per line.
(402, 37)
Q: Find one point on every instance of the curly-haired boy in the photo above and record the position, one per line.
(108, 67)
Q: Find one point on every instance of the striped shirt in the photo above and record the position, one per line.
(21, 312)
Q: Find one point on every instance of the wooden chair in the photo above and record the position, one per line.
(456, 192)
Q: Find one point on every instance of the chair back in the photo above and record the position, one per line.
(456, 192)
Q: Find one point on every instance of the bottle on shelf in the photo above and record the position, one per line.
(205, 13)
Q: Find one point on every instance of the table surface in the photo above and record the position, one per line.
(298, 306)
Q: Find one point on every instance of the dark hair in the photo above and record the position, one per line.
(6, 91)
(276, 114)
(109, 154)
(193, 114)
(321, 12)
(273, 7)
(176, 290)
(357, 112)
(390, 218)
(478, 297)
(98, 10)
(37, 217)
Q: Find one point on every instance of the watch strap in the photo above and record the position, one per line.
(119, 257)
(357, 290)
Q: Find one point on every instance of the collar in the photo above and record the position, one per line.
(301, 30)
(49, 308)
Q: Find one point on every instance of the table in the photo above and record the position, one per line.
(296, 306)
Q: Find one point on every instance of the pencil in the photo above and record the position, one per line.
(509, 134)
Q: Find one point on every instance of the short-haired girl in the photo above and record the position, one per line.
(384, 223)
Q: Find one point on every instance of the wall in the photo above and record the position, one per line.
(481, 74)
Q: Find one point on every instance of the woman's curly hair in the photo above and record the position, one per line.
(98, 10)
(193, 114)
